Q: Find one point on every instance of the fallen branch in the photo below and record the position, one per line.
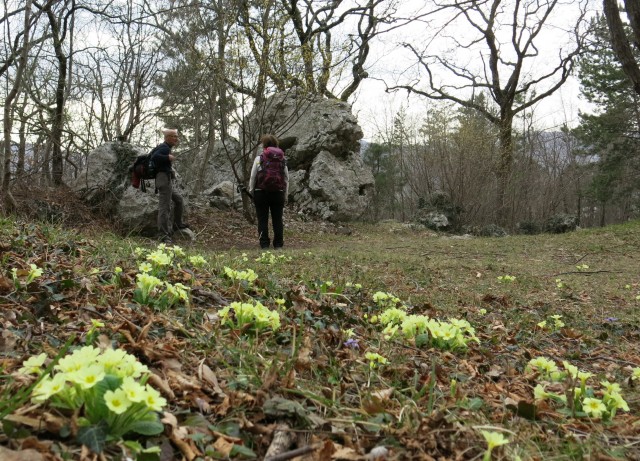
(282, 440)
(292, 454)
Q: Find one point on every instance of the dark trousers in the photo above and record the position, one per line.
(268, 201)
(166, 195)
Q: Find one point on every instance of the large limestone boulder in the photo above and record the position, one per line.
(224, 196)
(106, 175)
(105, 185)
(335, 189)
(211, 168)
(313, 124)
(321, 138)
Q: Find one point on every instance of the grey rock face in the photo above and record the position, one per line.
(106, 176)
(316, 124)
(224, 196)
(105, 185)
(335, 189)
(434, 220)
(215, 170)
(321, 137)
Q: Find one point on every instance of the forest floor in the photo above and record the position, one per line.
(356, 342)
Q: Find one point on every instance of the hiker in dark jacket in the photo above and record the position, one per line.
(165, 177)
(269, 184)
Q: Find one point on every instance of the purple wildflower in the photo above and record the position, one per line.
(352, 343)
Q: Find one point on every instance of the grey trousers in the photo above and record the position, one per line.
(166, 195)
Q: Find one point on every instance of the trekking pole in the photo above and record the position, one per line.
(242, 189)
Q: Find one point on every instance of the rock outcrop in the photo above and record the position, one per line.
(105, 186)
(328, 178)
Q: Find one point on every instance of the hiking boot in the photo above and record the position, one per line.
(184, 225)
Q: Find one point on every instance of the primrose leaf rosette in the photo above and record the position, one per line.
(448, 335)
(109, 385)
(569, 382)
(240, 315)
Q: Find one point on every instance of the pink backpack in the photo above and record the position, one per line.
(270, 176)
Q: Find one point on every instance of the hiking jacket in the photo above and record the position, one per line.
(161, 158)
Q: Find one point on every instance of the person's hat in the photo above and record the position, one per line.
(169, 131)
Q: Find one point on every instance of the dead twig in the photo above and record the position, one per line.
(293, 453)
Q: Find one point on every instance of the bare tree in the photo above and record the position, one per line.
(621, 44)
(506, 36)
(22, 52)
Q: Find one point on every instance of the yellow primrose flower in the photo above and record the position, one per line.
(131, 367)
(153, 399)
(111, 359)
(414, 325)
(33, 365)
(556, 321)
(390, 331)
(49, 387)
(381, 297)
(160, 258)
(78, 359)
(583, 376)
(34, 273)
(572, 370)
(506, 278)
(593, 407)
(197, 261)
(543, 364)
(482, 311)
(449, 332)
(145, 267)
(392, 315)
(494, 439)
(559, 283)
(139, 251)
(635, 373)
(375, 359)
(612, 388)
(542, 324)
(615, 401)
(539, 393)
(134, 391)
(88, 376)
(117, 401)
(177, 250)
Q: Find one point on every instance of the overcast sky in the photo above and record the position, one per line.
(390, 63)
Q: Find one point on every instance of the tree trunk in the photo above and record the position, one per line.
(620, 44)
(57, 123)
(5, 191)
(503, 172)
